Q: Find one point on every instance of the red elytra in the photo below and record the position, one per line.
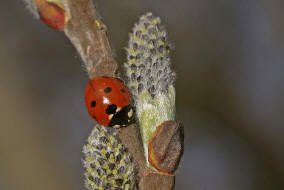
(108, 102)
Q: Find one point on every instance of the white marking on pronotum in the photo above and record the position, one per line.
(130, 113)
(105, 100)
(110, 116)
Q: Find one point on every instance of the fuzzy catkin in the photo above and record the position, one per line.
(148, 65)
(150, 79)
(107, 163)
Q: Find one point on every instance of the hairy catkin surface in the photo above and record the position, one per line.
(107, 163)
(148, 61)
(150, 79)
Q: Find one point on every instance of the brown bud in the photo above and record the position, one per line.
(165, 146)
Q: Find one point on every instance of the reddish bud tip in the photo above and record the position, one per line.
(51, 14)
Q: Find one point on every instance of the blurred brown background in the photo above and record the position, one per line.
(229, 59)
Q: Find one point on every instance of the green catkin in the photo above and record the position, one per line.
(150, 77)
(108, 166)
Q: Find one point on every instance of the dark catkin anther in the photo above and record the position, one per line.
(148, 60)
(153, 42)
(138, 56)
(138, 33)
(104, 139)
(152, 30)
(140, 88)
(152, 89)
(97, 181)
(111, 166)
(100, 147)
(148, 74)
(133, 67)
(142, 66)
(149, 83)
(159, 73)
(118, 158)
(121, 169)
(145, 37)
(153, 51)
(161, 49)
(107, 155)
(131, 57)
(155, 65)
(98, 171)
(146, 25)
(165, 69)
(92, 165)
(139, 79)
(135, 46)
(91, 178)
(133, 76)
(119, 182)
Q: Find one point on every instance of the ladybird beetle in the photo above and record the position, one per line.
(108, 102)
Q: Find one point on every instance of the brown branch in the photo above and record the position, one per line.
(88, 35)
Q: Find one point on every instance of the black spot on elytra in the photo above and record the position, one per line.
(111, 109)
(107, 90)
(93, 103)
(122, 90)
(94, 117)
